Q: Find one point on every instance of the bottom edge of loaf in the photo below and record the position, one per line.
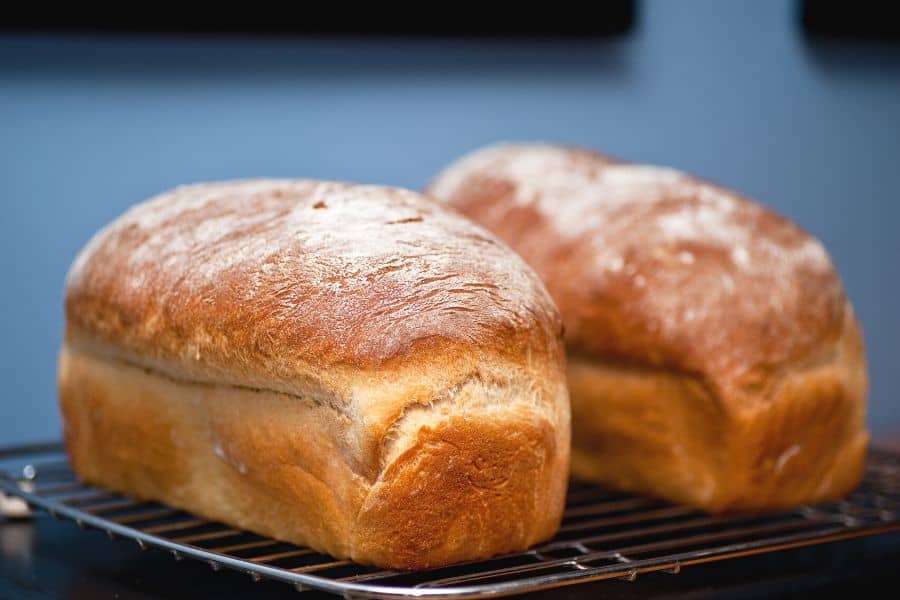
(464, 489)
(667, 435)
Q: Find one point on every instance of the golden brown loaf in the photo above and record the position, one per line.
(353, 368)
(713, 357)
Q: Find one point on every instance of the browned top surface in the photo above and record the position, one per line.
(251, 277)
(651, 266)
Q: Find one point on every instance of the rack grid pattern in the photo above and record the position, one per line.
(604, 535)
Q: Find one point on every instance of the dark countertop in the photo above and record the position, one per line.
(43, 558)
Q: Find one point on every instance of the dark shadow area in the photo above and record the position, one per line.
(54, 559)
(851, 38)
(147, 57)
(613, 17)
(863, 20)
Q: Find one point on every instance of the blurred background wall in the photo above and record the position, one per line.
(730, 90)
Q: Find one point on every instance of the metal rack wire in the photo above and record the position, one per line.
(604, 535)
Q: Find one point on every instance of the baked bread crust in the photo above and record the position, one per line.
(352, 368)
(660, 273)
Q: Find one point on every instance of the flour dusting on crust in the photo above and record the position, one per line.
(650, 264)
(356, 274)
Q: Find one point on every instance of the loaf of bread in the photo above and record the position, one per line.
(713, 358)
(353, 368)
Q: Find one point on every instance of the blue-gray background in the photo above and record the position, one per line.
(731, 91)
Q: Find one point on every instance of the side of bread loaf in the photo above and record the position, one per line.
(714, 359)
(346, 367)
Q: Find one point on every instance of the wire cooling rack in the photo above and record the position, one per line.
(604, 535)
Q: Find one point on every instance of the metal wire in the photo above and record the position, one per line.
(603, 536)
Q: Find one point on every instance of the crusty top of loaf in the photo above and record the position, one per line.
(246, 280)
(651, 266)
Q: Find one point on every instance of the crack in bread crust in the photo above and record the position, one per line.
(265, 462)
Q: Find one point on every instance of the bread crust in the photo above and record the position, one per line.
(276, 281)
(328, 398)
(691, 313)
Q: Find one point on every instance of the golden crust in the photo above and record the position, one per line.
(665, 433)
(287, 356)
(714, 359)
(465, 489)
